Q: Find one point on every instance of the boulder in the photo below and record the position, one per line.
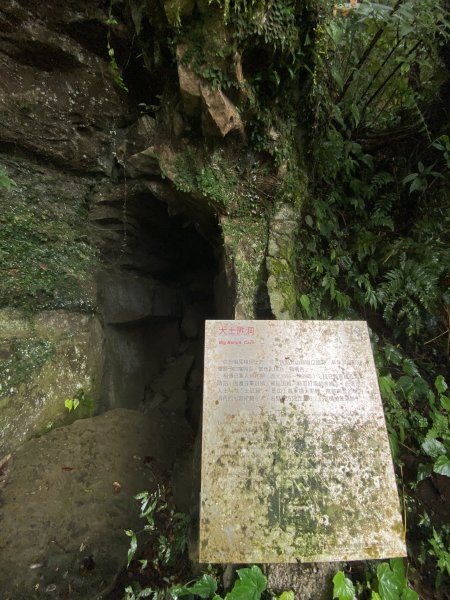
(47, 358)
(173, 378)
(126, 298)
(190, 84)
(219, 116)
(68, 498)
(58, 99)
(143, 164)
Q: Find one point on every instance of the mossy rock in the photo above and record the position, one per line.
(45, 360)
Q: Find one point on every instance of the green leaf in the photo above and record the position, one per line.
(410, 177)
(342, 587)
(389, 582)
(393, 355)
(445, 403)
(423, 471)
(133, 546)
(205, 587)
(433, 448)
(409, 594)
(304, 301)
(250, 585)
(406, 383)
(398, 567)
(442, 466)
(309, 220)
(5, 181)
(409, 368)
(440, 384)
(68, 404)
(287, 596)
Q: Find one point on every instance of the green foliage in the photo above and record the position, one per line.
(250, 585)
(439, 543)
(80, 399)
(377, 61)
(169, 541)
(343, 588)
(5, 181)
(389, 583)
(71, 404)
(205, 587)
(361, 255)
(115, 69)
(416, 411)
(214, 179)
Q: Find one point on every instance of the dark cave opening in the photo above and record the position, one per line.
(156, 289)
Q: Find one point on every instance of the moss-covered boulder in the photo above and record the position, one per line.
(47, 358)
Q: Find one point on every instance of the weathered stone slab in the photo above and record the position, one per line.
(296, 464)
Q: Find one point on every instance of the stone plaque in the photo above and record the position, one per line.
(296, 464)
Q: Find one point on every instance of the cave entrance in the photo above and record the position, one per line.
(155, 291)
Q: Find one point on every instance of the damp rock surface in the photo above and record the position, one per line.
(45, 359)
(68, 497)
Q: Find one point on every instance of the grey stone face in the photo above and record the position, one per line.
(296, 464)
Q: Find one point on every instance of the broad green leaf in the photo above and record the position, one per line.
(410, 368)
(309, 220)
(442, 466)
(393, 355)
(445, 403)
(253, 575)
(376, 596)
(433, 448)
(337, 76)
(250, 585)
(179, 591)
(205, 587)
(416, 185)
(409, 594)
(398, 567)
(389, 582)
(410, 177)
(387, 386)
(68, 404)
(342, 587)
(133, 546)
(243, 590)
(287, 596)
(406, 383)
(440, 384)
(304, 301)
(423, 471)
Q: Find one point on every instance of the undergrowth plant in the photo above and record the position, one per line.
(389, 582)
(250, 585)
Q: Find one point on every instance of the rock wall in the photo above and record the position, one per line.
(97, 277)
